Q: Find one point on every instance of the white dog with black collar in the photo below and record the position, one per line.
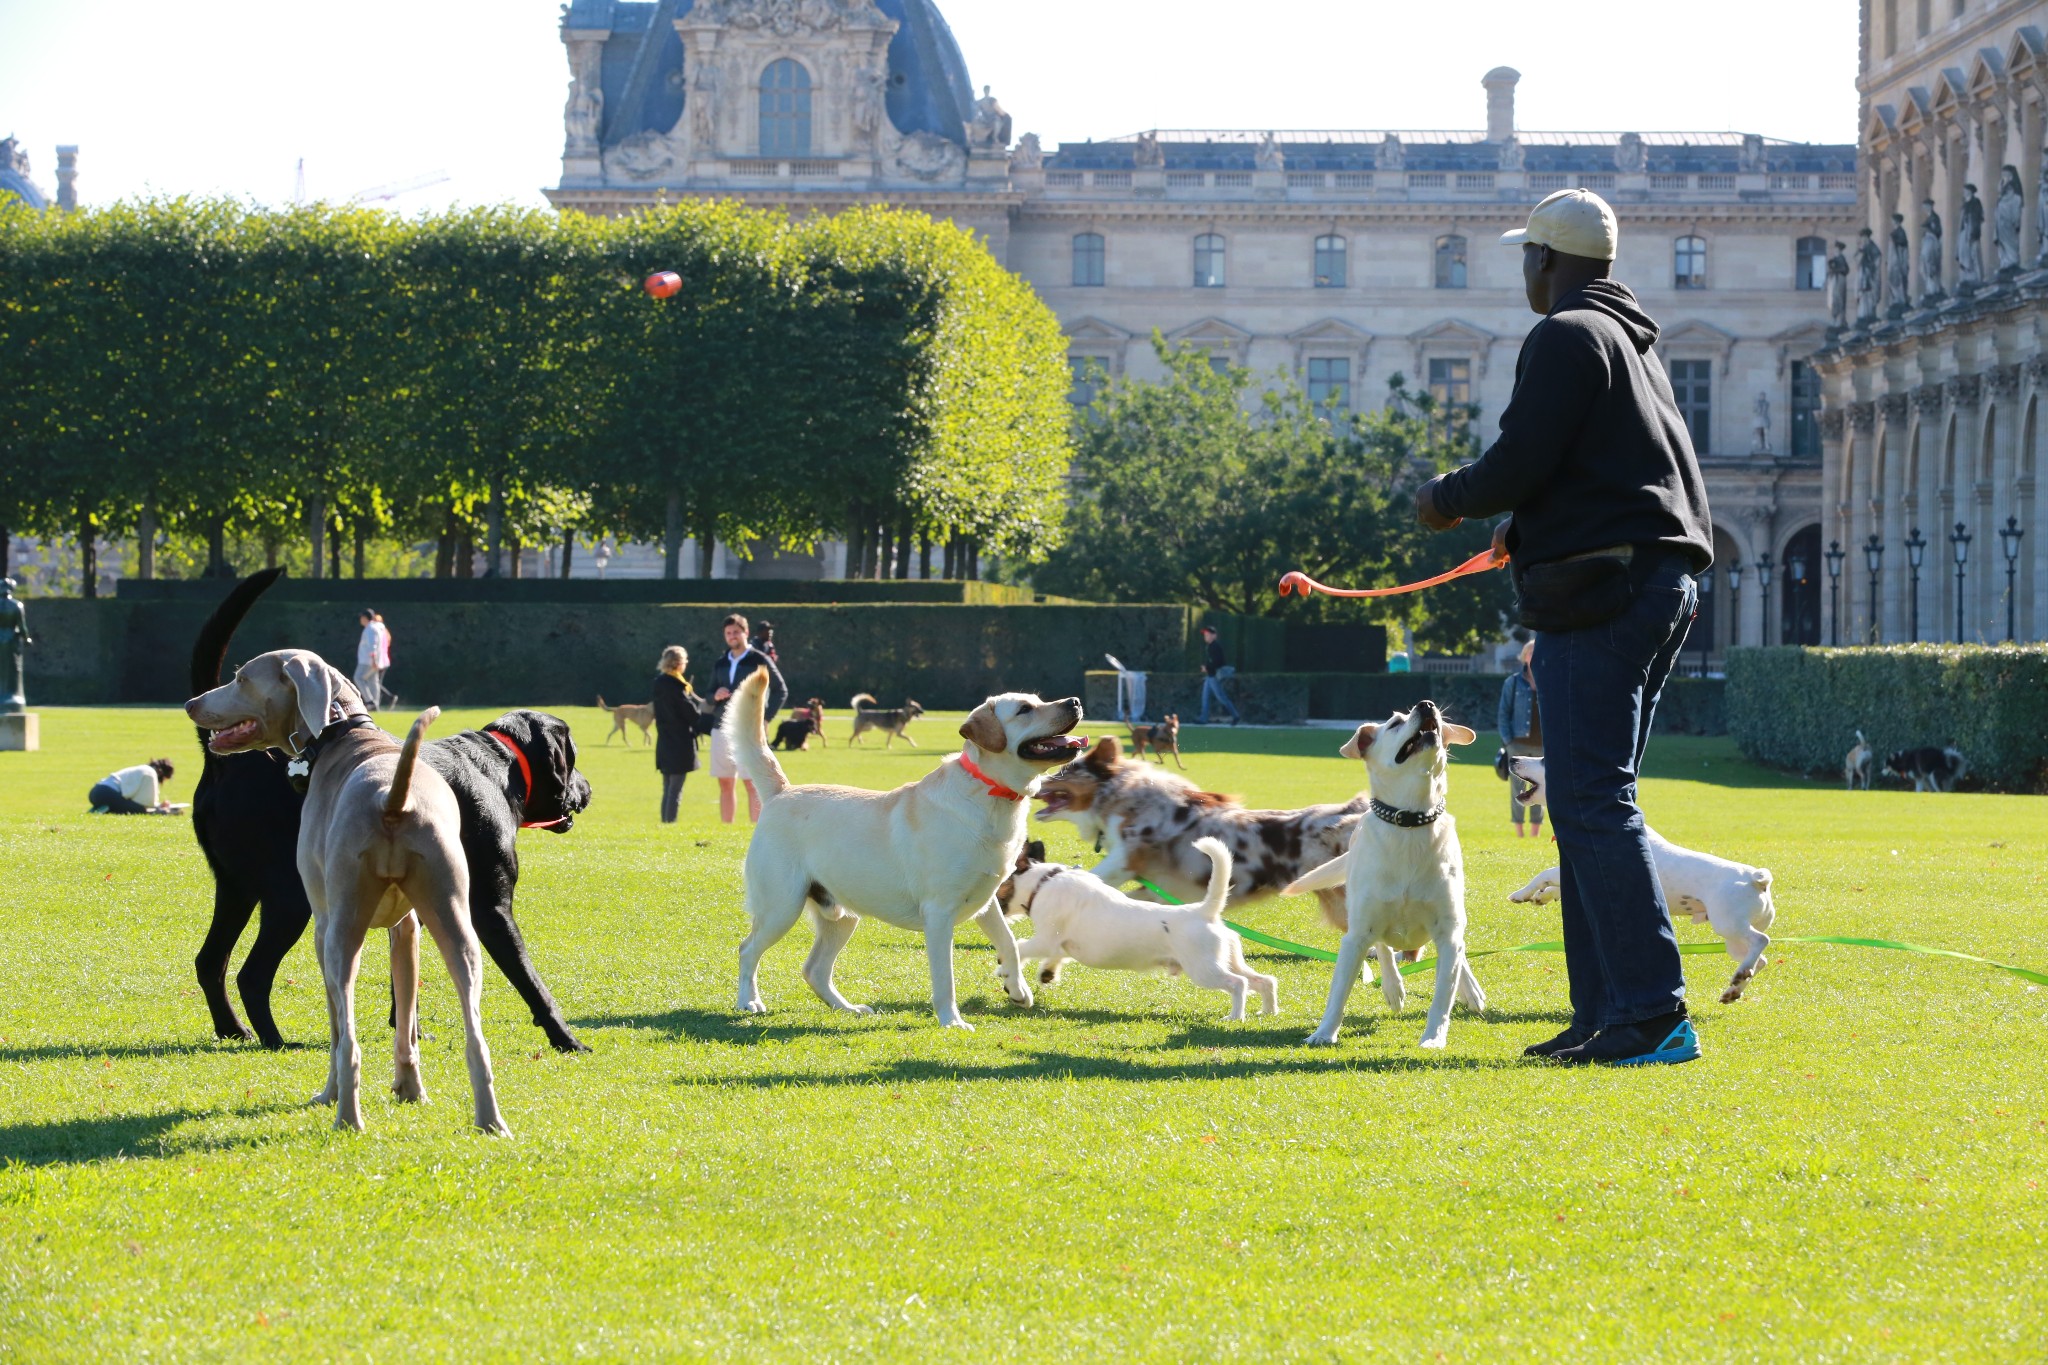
(1413, 888)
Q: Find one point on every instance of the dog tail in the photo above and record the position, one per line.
(1211, 907)
(210, 650)
(860, 697)
(745, 726)
(401, 777)
(1322, 878)
(601, 706)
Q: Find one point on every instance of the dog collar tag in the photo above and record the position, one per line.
(299, 772)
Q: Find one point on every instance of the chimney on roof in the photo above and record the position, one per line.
(67, 178)
(1500, 102)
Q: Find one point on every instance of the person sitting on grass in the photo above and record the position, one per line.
(133, 791)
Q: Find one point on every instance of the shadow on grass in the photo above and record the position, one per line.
(53, 1052)
(1050, 1065)
(77, 1141)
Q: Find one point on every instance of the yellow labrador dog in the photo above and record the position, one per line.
(923, 857)
(378, 840)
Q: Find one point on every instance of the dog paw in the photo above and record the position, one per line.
(493, 1127)
(408, 1089)
(1047, 976)
(751, 1007)
(960, 1024)
(325, 1097)
(860, 1009)
(1731, 995)
(1434, 1043)
(1320, 1039)
(568, 1042)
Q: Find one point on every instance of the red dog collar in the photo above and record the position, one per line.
(526, 776)
(995, 788)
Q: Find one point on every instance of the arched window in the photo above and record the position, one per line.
(1810, 263)
(1209, 261)
(1450, 262)
(1088, 256)
(1331, 269)
(1689, 263)
(785, 109)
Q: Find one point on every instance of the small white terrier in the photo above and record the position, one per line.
(1076, 915)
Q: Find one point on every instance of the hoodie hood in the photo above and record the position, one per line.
(1614, 299)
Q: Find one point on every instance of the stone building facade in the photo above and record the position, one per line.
(1933, 378)
(1346, 256)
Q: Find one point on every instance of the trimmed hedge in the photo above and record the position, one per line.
(1690, 706)
(1799, 707)
(748, 595)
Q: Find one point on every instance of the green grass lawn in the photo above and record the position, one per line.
(1855, 1171)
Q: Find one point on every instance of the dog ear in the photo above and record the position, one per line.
(312, 689)
(1356, 746)
(1106, 754)
(1458, 734)
(984, 730)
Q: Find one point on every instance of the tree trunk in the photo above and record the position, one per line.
(903, 548)
(465, 552)
(316, 527)
(145, 541)
(270, 548)
(88, 555)
(217, 565)
(334, 549)
(974, 557)
(672, 537)
(856, 539)
(494, 540)
(707, 546)
(568, 548)
(518, 553)
(444, 549)
(6, 553)
(362, 534)
(952, 553)
(924, 555)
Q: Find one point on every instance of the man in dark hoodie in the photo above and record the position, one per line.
(1609, 527)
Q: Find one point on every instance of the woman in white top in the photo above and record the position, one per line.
(132, 791)
(373, 656)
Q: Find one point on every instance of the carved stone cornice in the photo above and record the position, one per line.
(1928, 398)
(1832, 423)
(785, 18)
(2037, 369)
(1965, 389)
(2004, 382)
(1893, 408)
(1863, 417)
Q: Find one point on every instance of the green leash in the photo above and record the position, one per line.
(1428, 964)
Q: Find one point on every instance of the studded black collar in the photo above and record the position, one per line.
(1406, 819)
(299, 772)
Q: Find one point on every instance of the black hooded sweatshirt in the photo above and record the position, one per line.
(1592, 451)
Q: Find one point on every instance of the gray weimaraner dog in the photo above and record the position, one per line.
(378, 841)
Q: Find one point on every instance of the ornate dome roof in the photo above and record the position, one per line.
(14, 179)
(929, 90)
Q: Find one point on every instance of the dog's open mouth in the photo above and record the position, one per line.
(1525, 790)
(232, 738)
(1055, 802)
(1052, 748)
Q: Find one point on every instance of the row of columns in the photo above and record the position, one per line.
(1926, 457)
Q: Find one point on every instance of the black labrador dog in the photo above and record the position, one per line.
(518, 770)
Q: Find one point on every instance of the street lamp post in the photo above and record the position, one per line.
(1916, 546)
(1763, 583)
(1834, 558)
(1960, 543)
(1734, 604)
(1873, 555)
(2009, 541)
(1795, 583)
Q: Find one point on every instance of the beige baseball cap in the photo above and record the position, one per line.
(1575, 222)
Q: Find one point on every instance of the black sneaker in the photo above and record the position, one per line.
(1665, 1039)
(1570, 1038)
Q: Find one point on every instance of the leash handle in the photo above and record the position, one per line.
(1299, 582)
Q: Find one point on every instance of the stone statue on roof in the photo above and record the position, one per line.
(1028, 154)
(1630, 156)
(1899, 265)
(1760, 425)
(991, 125)
(1970, 241)
(1149, 155)
(1752, 157)
(1390, 155)
(1930, 254)
(13, 156)
(1869, 265)
(1511, 154)
(585, 112)
(2005, 231)
(870, 98)
(1838, 286)
(1269, 156)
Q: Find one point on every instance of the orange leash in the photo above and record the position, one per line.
(1299, 582)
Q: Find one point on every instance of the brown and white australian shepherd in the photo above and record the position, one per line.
(1146, 820)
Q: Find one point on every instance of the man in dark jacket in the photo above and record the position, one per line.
(739, 660)
(1609, 528)
(1215, 673)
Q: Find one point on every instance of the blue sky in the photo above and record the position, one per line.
(184, 98)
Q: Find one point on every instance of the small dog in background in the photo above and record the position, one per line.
(1929, 769)
(1162, 739)
(642, 716)
(1856, 767)
(895, 724)
(795, 733)
(1074, 915)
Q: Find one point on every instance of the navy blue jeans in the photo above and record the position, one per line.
(1598, 688)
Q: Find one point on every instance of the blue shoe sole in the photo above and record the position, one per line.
(1680, 1045)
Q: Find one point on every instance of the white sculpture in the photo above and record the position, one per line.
(1149, 155)
(1269, 157)
(1028, 155)
(1760, 425)
(1970, 241)
(2005, 233)
(1930, 253)
(1899, 265)
(1869, 263)
(991, 125)
(1838, 285)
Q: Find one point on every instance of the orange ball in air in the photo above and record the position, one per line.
(664, 284)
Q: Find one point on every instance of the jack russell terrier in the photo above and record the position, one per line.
(1075, 915)
(1734, 899)
(1413, 888)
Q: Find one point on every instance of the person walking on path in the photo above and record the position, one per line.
(1214, 672)
(678, 720)
(739, 660)
(1521, 734)
(133, 791)
(1609, 528)
(373, 656)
